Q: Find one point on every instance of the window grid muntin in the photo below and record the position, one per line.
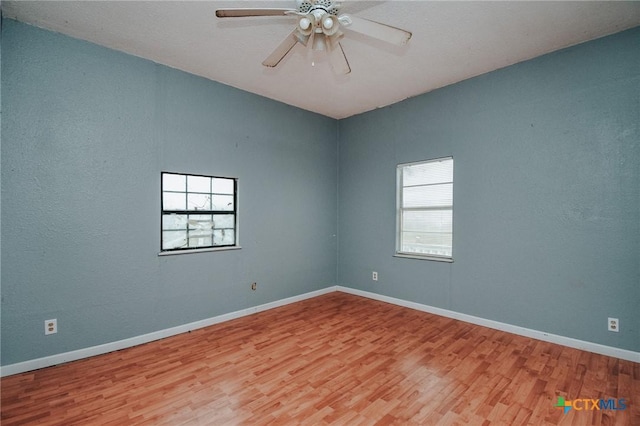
(188, 230)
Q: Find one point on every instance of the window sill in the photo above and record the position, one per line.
(418, 257)
(200, 250)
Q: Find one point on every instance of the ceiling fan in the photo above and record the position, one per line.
(320, 26)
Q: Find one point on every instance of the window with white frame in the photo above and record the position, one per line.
(425, 209)
(198, 212)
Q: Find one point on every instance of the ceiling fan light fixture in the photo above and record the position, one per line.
(330, 25)
(304, 23)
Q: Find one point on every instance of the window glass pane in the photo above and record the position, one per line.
(174, 221)
(173, 201)
(198, 201)
(223, 237)
(200, 222)
(200, 238)
(224, 221)
(223, 186)
(174, 239)
(172, 182)
(428, 173)
(198, 184)
(222, 202)
(428, 196)
(429, 243)
(433, 220)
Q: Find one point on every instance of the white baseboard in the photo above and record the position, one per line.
(522, 331)
(49, 361)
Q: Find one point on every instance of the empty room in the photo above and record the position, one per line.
(320, 212)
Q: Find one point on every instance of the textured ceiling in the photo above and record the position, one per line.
(452, 41)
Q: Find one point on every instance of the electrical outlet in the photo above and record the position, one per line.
(613, 324)
(51, 326)
(254, 286)
(374, 276)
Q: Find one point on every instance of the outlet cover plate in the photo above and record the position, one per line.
(50, 326)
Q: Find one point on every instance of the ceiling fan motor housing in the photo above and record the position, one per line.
(329, 6)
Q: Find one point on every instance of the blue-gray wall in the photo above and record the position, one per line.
(86, 132)
(546, 193)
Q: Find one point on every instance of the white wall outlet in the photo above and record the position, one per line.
(51, 326)
(613, 324)
(374, 276)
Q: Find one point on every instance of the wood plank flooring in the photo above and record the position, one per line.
(334, 359)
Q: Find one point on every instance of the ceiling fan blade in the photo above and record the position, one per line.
(338, 60)
(375, 29)
(302, 39)
(245, 12)
(281, 51)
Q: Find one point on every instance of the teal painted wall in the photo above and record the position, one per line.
(546, 193)
(86, 132)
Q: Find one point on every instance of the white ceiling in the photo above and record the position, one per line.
(452, 41)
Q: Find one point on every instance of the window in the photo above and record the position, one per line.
(425, 209)
(198, 212)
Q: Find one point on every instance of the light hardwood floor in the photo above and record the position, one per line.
(334, 359)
